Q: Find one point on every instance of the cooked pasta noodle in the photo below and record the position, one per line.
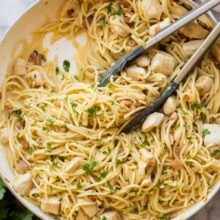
(62, 134)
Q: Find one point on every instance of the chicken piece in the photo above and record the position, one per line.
(169, 106)
(142, 61)
(194, 31)
(70, 8)
(163, 63)
(204, 84)
(66, 205)
(146, 156)
(51, 205)
(118, 26)
(191, 47)
(215, 52)
(154, 120)
(135, 72)
(151, 9)
(146, 182)
(211, 134)
(23, 183)
(73, 165)
(141, 170)
(159, 26)
(20, 66)
(34, 78)
(89, 207)
(4, 136)
(111, 215)
(177, 10)
(82, 216)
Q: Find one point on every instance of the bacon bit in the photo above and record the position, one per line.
(57, 104)
(171, 2)
(129, 103)
(131, 43)
(26, 145)
(124, 4)
(20, 124)
(63, 129)
(127, 20)
(177, 164)
(90, 18)
(174, 116)
(36, 58)
(178, 150)
(70, 12)
(23, 166)
(90, 122)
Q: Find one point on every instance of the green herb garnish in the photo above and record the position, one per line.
(49, 147)
(111, 188)
(118, 162)
(30, 150)
(196, 106)
(102, 218)
(102, 23)
(109, 8)
(78, 185)
(92, 112)
(166, 149)
(2, 189)
(73, 104)
(205, 132)
(66, 65)
(57, 70)
(89, 167)
(118, 12)
(50, 122)
(102, 176)
(215, 153)
(18, 114)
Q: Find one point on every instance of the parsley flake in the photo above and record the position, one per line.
(89, 167)
(57, 70)
(66, 65)
(92, 112)
(205, 132)
(196, 106)
(111, 188)
(102, 23)
(73, 104)
(215, 153)
(118, 12)
(50, 122)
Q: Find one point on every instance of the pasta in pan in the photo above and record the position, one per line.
(62, 134)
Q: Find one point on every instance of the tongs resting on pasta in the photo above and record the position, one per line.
(191, 63)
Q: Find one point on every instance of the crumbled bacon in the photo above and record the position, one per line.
(26, 145)
(124, 4)
(129, 103)
(177, 164)
(57, 104)
(36, 58)
(20, 124)
(131, 43)
(70, 12)
(127, 20)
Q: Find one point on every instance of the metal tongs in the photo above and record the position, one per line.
(191, 63)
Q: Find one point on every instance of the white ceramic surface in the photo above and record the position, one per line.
(37, 15)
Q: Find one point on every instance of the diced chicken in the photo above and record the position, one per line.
(146, 156)
(163, 63)
(51, 205)
(169, 106)
(142, 61)
(215, 52)
(151, 9)
(177, 10)
(89, 207)
(191, 46)
(159, 26)
(135, 72)
(154, 120)
(66, 205)
(194, 31)
(34, 78)
(118, 26)
(177, 164)
(111, 215)
(73, 165)
(204, 84)
(82, 216)
(211, 134)
(141, 170)
(23, 183)
(4, 136)
(20, 67)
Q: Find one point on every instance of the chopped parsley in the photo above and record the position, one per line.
(133, 190)
(18, 114)
(109, 8)
(92, 112)
(107, 151)
(55, 164)
(42, 106)
(30, 150)
(118, 162)
(111, 188)
(205, 132)
(102, 218)
(102, 175)
(89, 167)
(78, 185)
(102, 23)
(118, 12)
(50, 122)
(45, 128)
(166, 149)
(49, 147)
(66, 65)
(57, 70)
(2, 189)
(215, 153)
(73, 104)
(196, 106)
